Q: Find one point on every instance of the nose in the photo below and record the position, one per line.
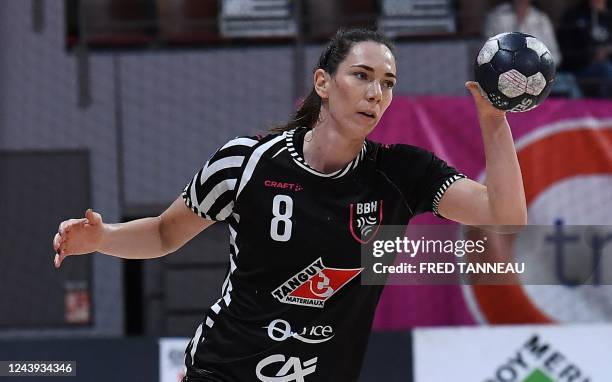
(374, 92)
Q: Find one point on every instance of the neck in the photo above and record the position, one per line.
(327, 150)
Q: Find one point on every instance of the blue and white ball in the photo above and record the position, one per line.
(515, 71)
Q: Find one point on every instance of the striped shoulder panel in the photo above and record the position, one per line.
(268, 146)
(212, 191)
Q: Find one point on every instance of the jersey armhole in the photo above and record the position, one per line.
(441, 191)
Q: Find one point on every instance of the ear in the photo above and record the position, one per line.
(321, 83)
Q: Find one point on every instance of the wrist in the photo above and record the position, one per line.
(492, 118)
(104, 239)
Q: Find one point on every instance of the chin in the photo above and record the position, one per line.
(352, 129)
(358, 130)
(367, 129)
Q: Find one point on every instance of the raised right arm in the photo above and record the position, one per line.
(138, 239)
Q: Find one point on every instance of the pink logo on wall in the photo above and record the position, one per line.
(448, 126)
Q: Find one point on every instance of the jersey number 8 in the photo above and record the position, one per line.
(278, 231)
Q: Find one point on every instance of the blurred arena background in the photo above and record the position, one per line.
(113, 104)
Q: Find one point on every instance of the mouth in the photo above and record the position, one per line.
(367, 114)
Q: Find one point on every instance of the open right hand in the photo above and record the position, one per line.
(78, 236)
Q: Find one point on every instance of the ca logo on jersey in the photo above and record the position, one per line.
(314, 285)
(288, 370)
(365, 219)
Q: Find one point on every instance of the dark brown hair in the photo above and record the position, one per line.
(335, 52)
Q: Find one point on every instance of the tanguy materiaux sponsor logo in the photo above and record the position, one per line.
(314, 285)
(538, 361)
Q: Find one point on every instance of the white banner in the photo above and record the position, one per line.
(172, 359)
(526, 353)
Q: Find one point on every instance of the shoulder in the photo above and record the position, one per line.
(245, 145)
(239, 145)
(411, 161)
(400, 158)
(399, 151)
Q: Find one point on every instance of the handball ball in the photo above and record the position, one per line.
(515, 71)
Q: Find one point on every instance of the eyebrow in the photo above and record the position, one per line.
(370, 69)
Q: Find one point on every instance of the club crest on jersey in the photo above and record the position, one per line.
(314, 285)
(365, 219)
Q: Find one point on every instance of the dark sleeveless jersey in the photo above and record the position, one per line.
(292, 307)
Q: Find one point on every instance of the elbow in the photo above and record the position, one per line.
(509, 213)
(511, 217)
(519, 221)
(521, 218)
(518, 217)
(512, 222)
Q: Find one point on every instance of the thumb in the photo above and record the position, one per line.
(474, 88)
(93, 218)
(478, 94)
(482, 102)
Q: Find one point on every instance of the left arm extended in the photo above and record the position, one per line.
(501, 200)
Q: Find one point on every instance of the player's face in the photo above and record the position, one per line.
(362, 88)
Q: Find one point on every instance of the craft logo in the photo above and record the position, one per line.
(314, 285)
(365, 219)
(537, 361)
(283, 185)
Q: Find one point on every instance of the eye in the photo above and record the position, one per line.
(361, 75)
(389, 84)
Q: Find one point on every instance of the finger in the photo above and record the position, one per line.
(56, 242)
(67, 225)
(474, 88)
(62, 226)
(471, 84)
(478, 94)
(58, 259)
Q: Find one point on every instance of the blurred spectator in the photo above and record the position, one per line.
(522, 16)
(586, 40)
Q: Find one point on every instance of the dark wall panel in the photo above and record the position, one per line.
(39, 189)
